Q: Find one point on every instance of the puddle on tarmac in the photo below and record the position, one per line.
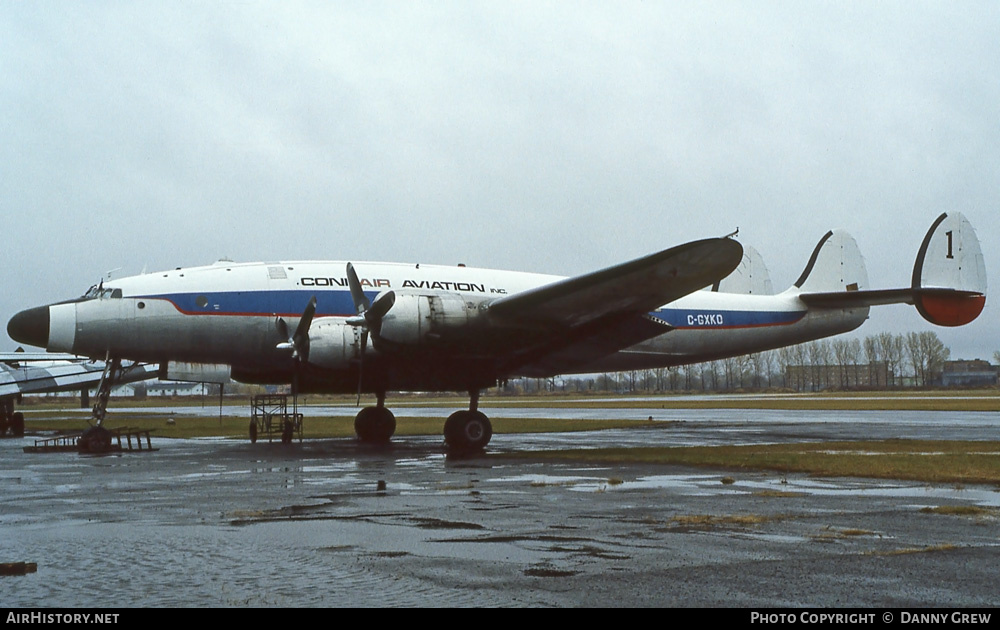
(218, 522)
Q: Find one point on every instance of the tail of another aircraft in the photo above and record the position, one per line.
(948, 286)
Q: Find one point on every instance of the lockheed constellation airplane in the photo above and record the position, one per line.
(377, 327)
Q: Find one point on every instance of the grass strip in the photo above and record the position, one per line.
(179, 426)
(919, 460)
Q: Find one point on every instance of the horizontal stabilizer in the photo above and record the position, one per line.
(880, 297)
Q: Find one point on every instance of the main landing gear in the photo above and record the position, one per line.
(11, 420)
(375, 424)
(464, 432)
(468, 431)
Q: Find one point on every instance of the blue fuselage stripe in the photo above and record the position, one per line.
(331, 302)
(288, 303)
(687, 318)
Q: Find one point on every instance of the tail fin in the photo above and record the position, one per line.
(949, 275)
(835, 265)
(950, 258)
(749, 278)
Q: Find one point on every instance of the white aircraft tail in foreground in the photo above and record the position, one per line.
(378, 327)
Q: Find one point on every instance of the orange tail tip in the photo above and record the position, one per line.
(950, 310)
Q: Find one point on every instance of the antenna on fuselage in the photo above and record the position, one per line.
(733, 234)
(108, 273)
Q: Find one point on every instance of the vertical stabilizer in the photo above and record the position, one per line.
(835, 265)
(750, 278)
(950, 258)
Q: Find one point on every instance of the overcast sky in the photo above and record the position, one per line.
(554, 137)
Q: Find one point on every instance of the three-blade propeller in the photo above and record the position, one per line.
(368, 315)
(298, 343)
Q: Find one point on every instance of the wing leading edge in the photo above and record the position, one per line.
(632, 288)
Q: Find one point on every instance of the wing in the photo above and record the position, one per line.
(21, 356)
(40, 373)
(636, 287)
(593, 315)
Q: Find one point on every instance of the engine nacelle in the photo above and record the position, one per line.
(332, 344)
(421, 319)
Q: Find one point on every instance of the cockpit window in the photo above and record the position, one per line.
(102, 292)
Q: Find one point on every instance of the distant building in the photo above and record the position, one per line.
(172, 388)
(813, 378)
(974, 373)
(142, 389)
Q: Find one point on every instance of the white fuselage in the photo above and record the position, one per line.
(226, 314)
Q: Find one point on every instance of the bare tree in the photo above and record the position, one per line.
(819, 356)
(756, 365)
(786, 355)
(927, 354)
(801, 354)
(915, 356)
(767, 360)
(660, 375)
(674, 376)
(891, 347)
(731, 371)
(842, 356)
(710, 375)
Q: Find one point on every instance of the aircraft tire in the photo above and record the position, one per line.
(467, 432)
(17, 424)
(253, 432)
(375, 425)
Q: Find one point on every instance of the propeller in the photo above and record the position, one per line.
(368, 315)
(298, 343)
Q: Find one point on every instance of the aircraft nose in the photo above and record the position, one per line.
(30, 326)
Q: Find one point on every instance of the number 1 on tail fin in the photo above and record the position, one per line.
(949, 275)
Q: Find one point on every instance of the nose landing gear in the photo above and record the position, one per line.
(97, 439)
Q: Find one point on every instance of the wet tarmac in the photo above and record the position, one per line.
(227, 523)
